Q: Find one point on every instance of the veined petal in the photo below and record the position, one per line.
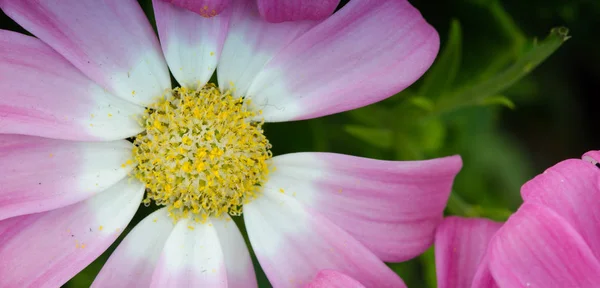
(40, 174)
(192, 44)
(293, 243)
(191, 257)
(280, 11)
(250, 43)
(572, 189)
(110, 41)
(240, 272)
(134, 260)
(47, 249)
(537, 248)
(44, 95)
(392, 207)
(333, 279)
(365, 52)
(460, 246)
(204, 8)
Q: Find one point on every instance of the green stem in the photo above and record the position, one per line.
(475, 94)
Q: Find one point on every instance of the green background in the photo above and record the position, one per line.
(484, 99)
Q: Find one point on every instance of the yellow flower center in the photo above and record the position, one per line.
(201, 154)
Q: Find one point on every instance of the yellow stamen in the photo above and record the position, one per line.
(201, 155)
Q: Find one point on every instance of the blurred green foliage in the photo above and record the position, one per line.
(478, 100)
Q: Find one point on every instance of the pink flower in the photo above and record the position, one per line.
(199, 150)
(553, 240)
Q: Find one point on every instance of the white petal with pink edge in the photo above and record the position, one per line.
(47, 249)
(110, 41)
(293, 243)
(365, 52)
(40, 174)
(44, 95)
(252, 42)
(191, 257)
(392, 207)
(192, 44)
(134, 260)
(240, 272)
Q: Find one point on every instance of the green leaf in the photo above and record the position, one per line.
(440, 77)
(423, 103)
(378, 137)
(499, 100)
(474, 94)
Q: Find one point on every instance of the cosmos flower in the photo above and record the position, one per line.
(95, 75)
(553, 240)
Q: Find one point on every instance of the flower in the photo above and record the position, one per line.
(553, 240)
(95, 75)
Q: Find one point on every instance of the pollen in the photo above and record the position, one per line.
(203, 154)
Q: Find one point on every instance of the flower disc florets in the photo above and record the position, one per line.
(201, 154)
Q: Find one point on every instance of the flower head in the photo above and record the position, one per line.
(553, 240)
(96, 75)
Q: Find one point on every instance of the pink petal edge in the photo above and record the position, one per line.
(49, 248)
(365, 52)
(293, 243)
(391, 207)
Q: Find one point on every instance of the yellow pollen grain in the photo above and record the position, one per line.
(101, 227)
(201, 154)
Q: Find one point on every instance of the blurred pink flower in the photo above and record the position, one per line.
(93, 68)
(553, 240)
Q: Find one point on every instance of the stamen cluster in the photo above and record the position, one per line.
(201, 155)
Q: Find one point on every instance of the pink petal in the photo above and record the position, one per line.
(293, 243)
(483, 277)
(133, 263)
(191, 44)
(240, 272)
(333, 279)
(110, 41)
(44, 95)
(191, 257)
(572, 189)
(460, 245)
(39, 174)
(364, 53)
(538, 248)
(252, 42)
(279, 11)
(205, 8)
(392, 207)
(47, 249)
